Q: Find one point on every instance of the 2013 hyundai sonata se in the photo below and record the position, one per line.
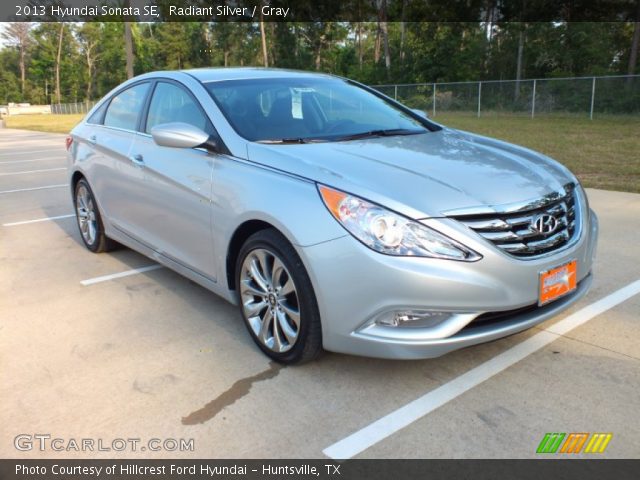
(333, 216)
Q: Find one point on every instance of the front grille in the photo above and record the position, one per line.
(518, 314)
(515, 232)
(497, 317)
(506, 316)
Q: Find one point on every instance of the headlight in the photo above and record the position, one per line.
(390, 233)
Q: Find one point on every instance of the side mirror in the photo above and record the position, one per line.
(422, 113)
(180, 135)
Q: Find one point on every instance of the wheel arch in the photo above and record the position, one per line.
(75, 178)
(239, 237)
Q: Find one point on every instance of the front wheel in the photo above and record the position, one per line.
(277, 300)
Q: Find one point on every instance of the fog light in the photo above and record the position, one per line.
(412, 318)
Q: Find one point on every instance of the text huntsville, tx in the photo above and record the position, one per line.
(223, 11)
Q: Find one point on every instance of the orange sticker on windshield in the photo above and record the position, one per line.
(557, 282)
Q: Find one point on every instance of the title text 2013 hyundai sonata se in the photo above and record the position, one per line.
(333, 216)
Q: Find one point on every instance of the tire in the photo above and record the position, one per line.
(277, 301)
(89, 220)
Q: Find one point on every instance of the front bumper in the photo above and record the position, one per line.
(355, 285)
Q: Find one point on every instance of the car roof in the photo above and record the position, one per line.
(242, 73)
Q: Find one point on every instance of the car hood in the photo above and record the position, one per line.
(425, 175)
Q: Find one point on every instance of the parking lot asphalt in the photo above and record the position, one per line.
(153, 355)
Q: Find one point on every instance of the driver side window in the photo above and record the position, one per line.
(171, 103)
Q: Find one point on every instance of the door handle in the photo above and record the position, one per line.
(137, 159)
(93, 140)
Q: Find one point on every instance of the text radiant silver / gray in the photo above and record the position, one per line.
(334, 217)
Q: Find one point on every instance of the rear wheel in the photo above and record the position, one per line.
(89, 220)
(277, 300)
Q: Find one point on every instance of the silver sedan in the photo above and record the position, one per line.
(335, 217)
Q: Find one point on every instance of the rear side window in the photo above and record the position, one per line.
(97, 116)
(125, 107)
(171, 103)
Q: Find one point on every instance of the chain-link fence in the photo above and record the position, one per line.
(70, 108)
(617, 95)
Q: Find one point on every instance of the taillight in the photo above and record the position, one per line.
(68, 142)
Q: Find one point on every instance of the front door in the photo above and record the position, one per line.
(173, 213)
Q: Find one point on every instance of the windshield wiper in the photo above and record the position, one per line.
(292, 140)
(390, 132)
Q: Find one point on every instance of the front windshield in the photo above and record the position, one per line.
(280, 110)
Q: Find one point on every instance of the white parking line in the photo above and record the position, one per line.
(400, 418)
(33, 171)
(35, 188)
(18, 152)
(44, 159)
(45, 219)
(127, 273)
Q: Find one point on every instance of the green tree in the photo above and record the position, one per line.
(17, 35)
(9, 82)
(45, 62)
(111, 70)
(183, 44)
(89, 35)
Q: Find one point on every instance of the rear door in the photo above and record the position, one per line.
(115, 176)
(172, 210)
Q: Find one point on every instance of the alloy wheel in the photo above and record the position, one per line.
(270, 300)
(86, 213)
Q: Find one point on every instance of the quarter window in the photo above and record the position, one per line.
(171, 103)
(125, 107)
(97, 116)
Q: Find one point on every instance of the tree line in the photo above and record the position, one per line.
(73, 62)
